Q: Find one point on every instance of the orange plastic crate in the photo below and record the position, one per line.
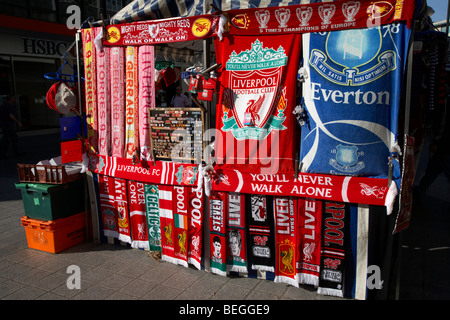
(57, 235)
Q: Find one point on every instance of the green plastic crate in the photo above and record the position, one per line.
(50, 202)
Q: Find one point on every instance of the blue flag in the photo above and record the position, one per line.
(352, 95)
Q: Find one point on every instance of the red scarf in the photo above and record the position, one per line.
(167, 223)
(131, 103)
(136, 201)
(121, 203)
(195, 232)
(180, 202)
(236, 252)
(117, 60)
(107, 206)
(309, 234)
(217, 206)
(285, 214)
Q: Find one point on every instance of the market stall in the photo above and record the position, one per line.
(302, 180)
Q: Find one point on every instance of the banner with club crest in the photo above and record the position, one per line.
(352, 95)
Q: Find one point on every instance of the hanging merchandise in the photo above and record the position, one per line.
(286, 240)
(117, 60)
(309, 234)
(121, 202)
(218, 203)
(257, 97)
(167, 223)
(108, 208)
(131, 103)
(136, 204)
(332, 262)
(152, 212)
(146, 98)
(195, 227)
(89, 54)
(235, 232)
(104, 101)
(180, 216)
(260, 232)
(352, 98)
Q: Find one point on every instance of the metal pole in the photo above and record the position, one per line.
(448, 17)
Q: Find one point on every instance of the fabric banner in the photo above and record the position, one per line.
(260, 232)
(90, 75)
(107, 206)
(121, 202)
(136, 201)
(146, 98)
(163, 172)
(166, 223)
(218, 203)
(152, 212)
(309, 240)
(319, 16)
(131, 103)
(286, 240)
(195, 229)
(104, 101)
(180, 216)
(162, 31)
(235, 230)
(318, 186)
(256, 127)
(352, 97)
(333, 251)
(117, 61)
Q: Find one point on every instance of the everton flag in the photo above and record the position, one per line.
(257, 96)
(352, 95)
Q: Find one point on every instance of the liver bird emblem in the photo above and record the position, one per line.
(253, 107)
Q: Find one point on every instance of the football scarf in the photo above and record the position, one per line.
(260, 232)
(117, 60)
(107, 206)
(235, 231)
(217, 206)
(121, 202)
(166, 223)
(256, 100)
(90, 75)
(152, 212)
(131, 103)
(309, 239)
(104, 101)
(286, 220)
(352, 97)
(333, 251)
(136, 201)
(195, 231)
(146, 98)
(180, 200)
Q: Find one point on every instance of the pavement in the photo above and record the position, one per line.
(117, 272)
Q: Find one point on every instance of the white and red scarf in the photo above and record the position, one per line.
(90, 75)
(257, 96)
(286, 220)
(136, 203)
(104, 101)
(107, 206)
(195, 229)
(332, 266)
(218, 203)
(180, 202)
(309, 240)
(146, 98)
(235, 232)
(152, 212)
(166, 223)
(260, 232)
(131, 102)
(117, 60)
(121, 202)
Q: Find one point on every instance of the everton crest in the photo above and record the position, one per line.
(254, 102)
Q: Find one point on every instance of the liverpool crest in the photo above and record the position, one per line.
(254, 102)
